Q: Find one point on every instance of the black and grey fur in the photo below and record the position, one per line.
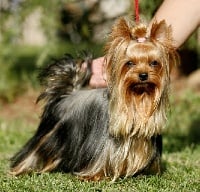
(73, 133)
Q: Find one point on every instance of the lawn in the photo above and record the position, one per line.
(181, 156)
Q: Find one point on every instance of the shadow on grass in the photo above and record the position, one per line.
(194, 132)
(174, 142)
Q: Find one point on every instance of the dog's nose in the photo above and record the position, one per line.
(143, 76)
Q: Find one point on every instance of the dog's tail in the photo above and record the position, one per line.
(64, 76)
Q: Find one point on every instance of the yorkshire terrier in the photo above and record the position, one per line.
(109, 132)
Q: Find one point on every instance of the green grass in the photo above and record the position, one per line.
(181, 158)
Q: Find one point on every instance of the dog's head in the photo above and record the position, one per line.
(138, 64)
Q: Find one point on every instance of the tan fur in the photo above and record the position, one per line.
(128, 110)
(125, 160)
(33, 161)
(134, 118)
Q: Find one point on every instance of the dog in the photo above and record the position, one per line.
(108, 132)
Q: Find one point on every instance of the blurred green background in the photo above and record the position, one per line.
(34, 31)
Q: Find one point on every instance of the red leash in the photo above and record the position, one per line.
(137, 17)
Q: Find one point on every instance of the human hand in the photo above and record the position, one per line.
(98, 78)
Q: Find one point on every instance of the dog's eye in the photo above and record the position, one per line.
(130, 64)
(154, 63)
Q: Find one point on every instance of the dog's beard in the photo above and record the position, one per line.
(137, 108)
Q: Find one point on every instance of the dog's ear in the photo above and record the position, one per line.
(161, 32)
(121, 29)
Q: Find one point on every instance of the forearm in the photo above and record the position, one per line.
(182, 15)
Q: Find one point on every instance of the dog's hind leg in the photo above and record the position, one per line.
(60, 79)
